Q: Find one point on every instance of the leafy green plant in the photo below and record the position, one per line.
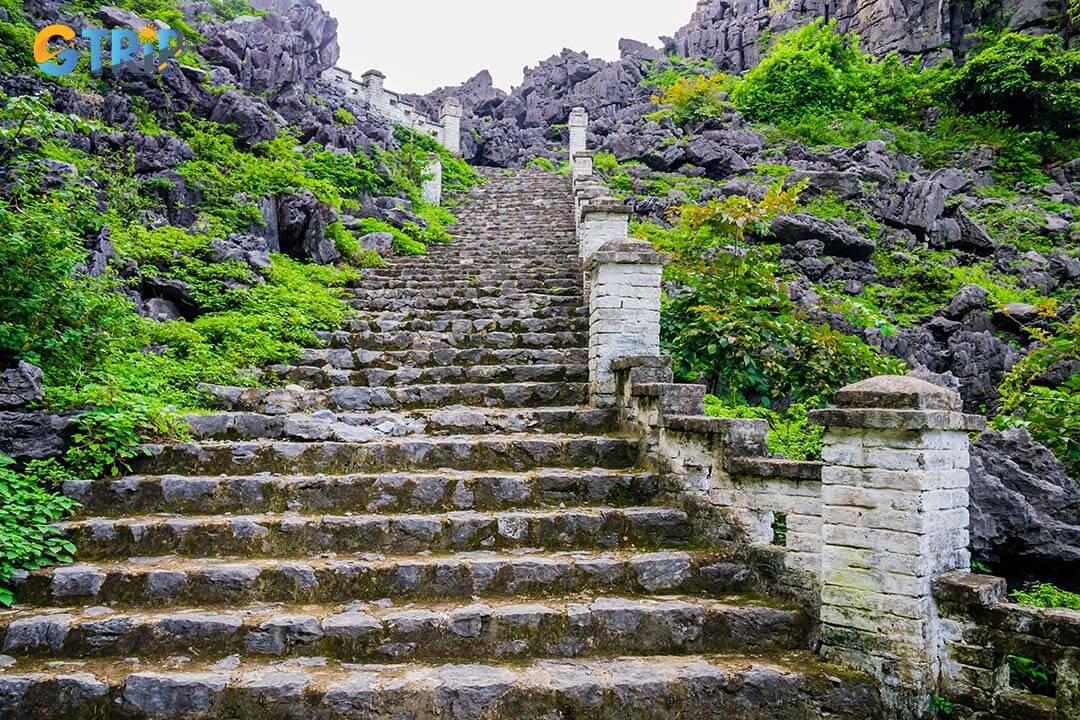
(1045, 595)
(1031, 676)
(343, 117)
(1050, 414)
(542, 163)
(693, 98)
(941, 706)
(790, 432)
(28, 507)
(1035, 81)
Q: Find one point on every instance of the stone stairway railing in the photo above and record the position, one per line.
(875, 538)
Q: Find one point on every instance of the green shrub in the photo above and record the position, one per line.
(343, 117)
(1051, 414)
(1033, 80)
(542, 163)
(790, 432)
(28, 507)
(1045, 595)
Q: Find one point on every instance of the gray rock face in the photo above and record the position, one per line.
(279, 54)
(249, 249)
(253, 120)
(730, 33)
(836, 236)
(20, 386)
(33, 436)
(1025, 511)
(301, 231)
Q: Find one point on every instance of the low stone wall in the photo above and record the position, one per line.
(371, 91)
(874, 539)
(981, 630)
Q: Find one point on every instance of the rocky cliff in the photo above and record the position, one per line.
(733, 33)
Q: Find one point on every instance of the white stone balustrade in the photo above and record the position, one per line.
(431, 190)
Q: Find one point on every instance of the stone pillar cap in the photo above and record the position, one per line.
(897, 392)
(604, 204)
(585, 153)
(450, 103)
(628, 251)
(374, 73)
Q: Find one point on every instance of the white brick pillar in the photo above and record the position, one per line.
(450, 119)
(432, 187)
(894, 516)
(601, 220)
(579, 125)
(624, 310)
(582, 165)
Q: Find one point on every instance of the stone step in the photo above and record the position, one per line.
(523, 314)
(328, 376)
(211, 582)
(294, 535)
(799, 686)
(293, 398)
(582, 626)
(491, 283)
(432, 491)
(345, 359)
(508, 325)
(539, 293)
(481, 452)
(367, 426)
(425, 340)
(376, 302)
(469, 270)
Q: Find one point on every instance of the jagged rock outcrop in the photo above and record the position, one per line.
(1025, 511)
(734, 33)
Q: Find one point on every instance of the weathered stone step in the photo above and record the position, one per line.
(433, 491)
(367, 426)
(328, 376)
(425, 340)
(621, 688)
(375, 302)
(362, 632)
(491, 282)
(198, 582)
(294, 535)
(508, 325)
(469, 270)
(293, 399)
(540, 292)
(523, 314)
(481, 452)
(346, 359)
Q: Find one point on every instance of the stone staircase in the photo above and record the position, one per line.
(426, 520)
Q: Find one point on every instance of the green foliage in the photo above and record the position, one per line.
(350, 248)
(16, 39)
(1051, 414)
(814, 72)
(662, 74)
(1045, 595)
(1033, 80)
(28, 507)
(1031, 676)
(605, 162)
(694, 98)
(403, 244)
(343, 117)
(790, 432)
(457, 175)
(941, 706)
(542, 163)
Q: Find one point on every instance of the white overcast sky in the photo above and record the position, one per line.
(424, 44)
